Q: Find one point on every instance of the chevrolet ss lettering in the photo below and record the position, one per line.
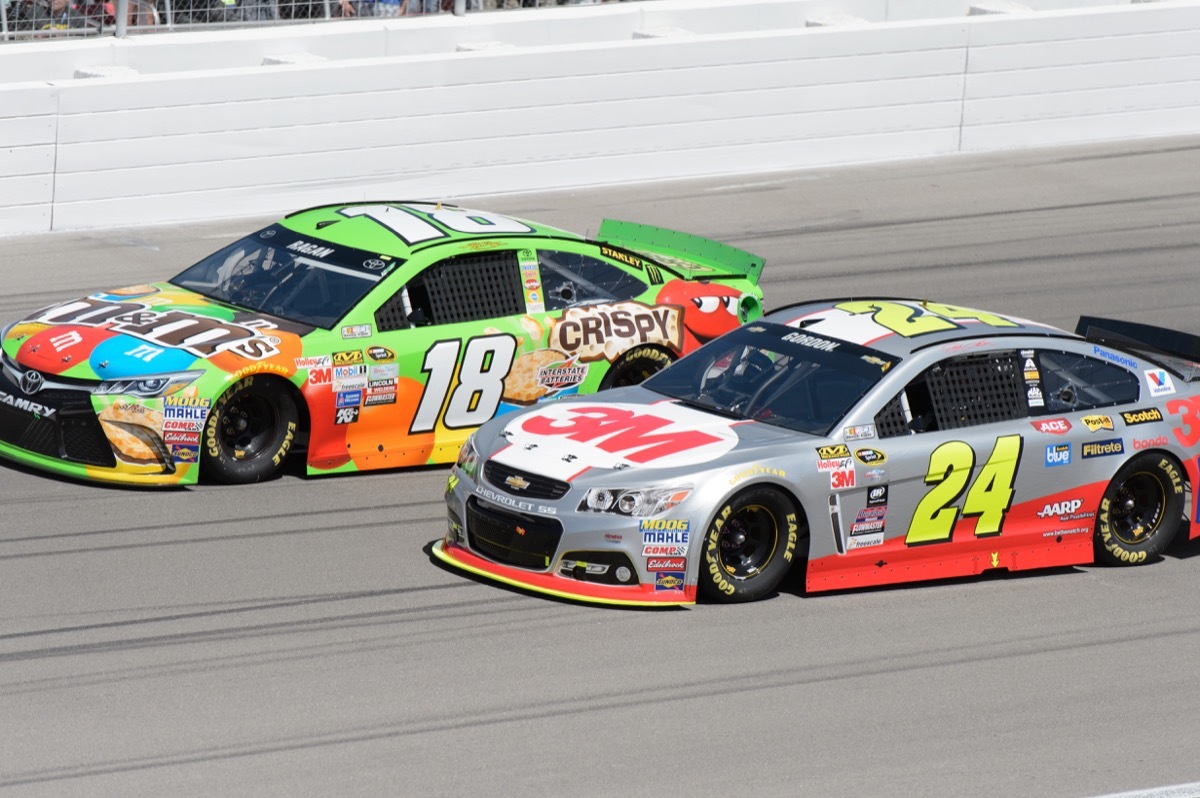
(365, 336)
(994, 444)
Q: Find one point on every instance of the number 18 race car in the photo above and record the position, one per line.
(378, 334)
(873, 441)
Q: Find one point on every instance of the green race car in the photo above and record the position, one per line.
(371, 335)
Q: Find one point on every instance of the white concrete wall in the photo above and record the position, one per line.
(626, 92)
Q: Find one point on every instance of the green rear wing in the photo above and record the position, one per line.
(691, 256)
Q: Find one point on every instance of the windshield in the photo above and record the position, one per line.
(278, 271)
(775, 374)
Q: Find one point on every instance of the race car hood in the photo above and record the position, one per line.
(146, 329)
(563, 440)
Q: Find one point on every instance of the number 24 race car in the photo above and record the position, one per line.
(868, 441)
(373, 335)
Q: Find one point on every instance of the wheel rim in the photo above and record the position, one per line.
(247, 426)
(747, 542)
(1137, 508)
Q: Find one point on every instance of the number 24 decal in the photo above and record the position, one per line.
(987, 500)
(485, 363)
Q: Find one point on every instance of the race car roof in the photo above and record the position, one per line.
(402, 228)
(901, 326)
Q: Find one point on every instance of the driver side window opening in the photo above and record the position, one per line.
(958, 392)
(473, 287)
(1077, 382)
(570, 279)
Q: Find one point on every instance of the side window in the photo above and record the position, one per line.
(1078, 382)
(570, 279)
(956, 393)
(472, 287)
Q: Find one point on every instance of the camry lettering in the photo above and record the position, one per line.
(39, 410)
(620, 431)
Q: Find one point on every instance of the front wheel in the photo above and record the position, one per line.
(249, 431)
(749, 546)
(1140, 512)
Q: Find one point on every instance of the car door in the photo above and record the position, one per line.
(940, 478)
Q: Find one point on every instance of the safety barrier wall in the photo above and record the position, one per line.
(637, 92)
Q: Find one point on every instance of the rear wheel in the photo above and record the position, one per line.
(1140, 512)
(249, 431)
(636, 365)
(750, 545)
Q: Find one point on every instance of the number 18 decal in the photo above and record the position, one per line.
(988, 499)
(474, 400)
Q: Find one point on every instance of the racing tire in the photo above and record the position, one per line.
(636, 365)
(1140, 512)
(249, 431)
(749, 546)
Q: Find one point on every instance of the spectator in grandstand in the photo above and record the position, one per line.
(411, 7)
(49, 15)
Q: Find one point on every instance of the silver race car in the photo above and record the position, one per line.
(872, 441)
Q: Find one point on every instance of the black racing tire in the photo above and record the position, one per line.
(636, 365)
(750, 545)
(249, 431)
(1141, 510)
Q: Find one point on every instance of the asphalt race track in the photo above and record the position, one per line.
(295, 639)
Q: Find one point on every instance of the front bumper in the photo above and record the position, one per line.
(58, 429)
(551, 549)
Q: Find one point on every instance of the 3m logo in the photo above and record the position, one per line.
(841, 479)
(640, 438)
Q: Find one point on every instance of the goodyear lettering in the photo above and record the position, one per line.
(1169, 467)
(714, 566)
(793, 537)
(757, 471)
(1111, 545)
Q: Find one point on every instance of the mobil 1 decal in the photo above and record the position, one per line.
(463, 394)
(987, 500)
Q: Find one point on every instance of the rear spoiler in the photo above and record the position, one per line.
(690, 256)
(1145, 337)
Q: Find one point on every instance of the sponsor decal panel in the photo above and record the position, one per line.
(1150, 443)
(666, 564)
(1160, 382)
(1058, 454)
(1054, 426)
(870, 457)
(877, 496)
(356, 331)
(1095, 423)
(1102, 448)
(669, 580)
(1142, 416)
(1114, 357)
(859, 433)
(349, 399)
(604, 332)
